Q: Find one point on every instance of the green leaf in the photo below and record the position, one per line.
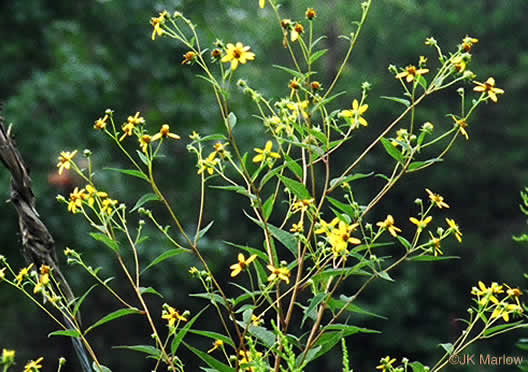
(162, 257)
(264, 336)
(417, 367)
(297, 188)
(421, 81)
(384, 275)
(250, 250)
(144, 199)
(214, 137)
(205, 230)
(142, 157)
(81, 300)
(178, 338)
(404, 102)
(290, 71)
(112, 316)
(209, 360)
(345, 208)
(286, 238)
(416, 165)
(503, 327)
(392, 150)
(293, 166)
(330, 273)
(232, 120)
(338, 181)
(268, 206)
(314, 57)
(311, 309)
(149, 290)
(348, 330)
(346, 302)
(213, 336)
(325, 101)
(237, 189)
(100, 368)
(406, 244)
(448, 347)
(66, 332)
(212, 297)
(429, 258)
(130, 172)
(269, 175)
(146, 349)
(112, 244)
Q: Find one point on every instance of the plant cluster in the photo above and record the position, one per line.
(288, 308)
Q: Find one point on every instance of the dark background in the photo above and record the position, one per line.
(63, 64)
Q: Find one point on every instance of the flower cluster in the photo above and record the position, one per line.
(89, 195)
(338, 235)
(487, 300)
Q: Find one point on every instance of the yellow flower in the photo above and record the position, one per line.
(33, 365)
(488, 87)
(298, 109)
(467, 43)
(297, 227)
(219, 148)
(246, 357)
(44, 278)
(217, 344)
(355, 114)
(459, 64)
(76, 198)
(462, 125)
(386, 364)
(237, 53)
(411, 73)
(265, 153)
(310, 14)
(188, 58)
(325, 227)
(340, 237)
(302, 205)
(256, 320)
(437, 199)
(422, 223)
(128, 127)
(128, 130)
(65, 160)
(436, 245)
(262, 3)
(208, 164)
(157, 22)
(279, 272)
(455, 228)
(297, 30)
(401, 135)
(504, 310)
(242, 264)
(8, 357)
(389, 225)
(91, 192)
(144, 141)
(101, 123)
(171, 315)
(108, 205)
(164, 133)
(486, 293)
(2, 274)
(514, 292)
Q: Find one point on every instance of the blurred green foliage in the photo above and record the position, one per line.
(63, 63)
